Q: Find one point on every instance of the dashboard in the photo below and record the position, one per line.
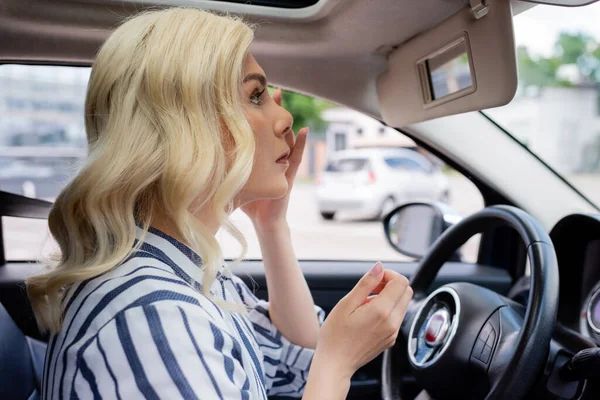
(576, 239)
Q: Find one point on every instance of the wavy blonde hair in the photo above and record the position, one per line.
(165, 125)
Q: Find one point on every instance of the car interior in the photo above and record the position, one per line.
(522, 322)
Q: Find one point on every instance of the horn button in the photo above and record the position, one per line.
(437, 327)
(433, 327)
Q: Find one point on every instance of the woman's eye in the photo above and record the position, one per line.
(256, 97)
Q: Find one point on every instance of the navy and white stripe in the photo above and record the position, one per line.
(144, 330)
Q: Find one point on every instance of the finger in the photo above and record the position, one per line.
(300, 143)
(290, 139)
(296, 154)
(368, 299)
(379, 288)
(400, 311)
(363, 288)
(387, 277)
(277, 96)
(392, 293)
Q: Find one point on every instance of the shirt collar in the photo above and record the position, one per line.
(184, 261)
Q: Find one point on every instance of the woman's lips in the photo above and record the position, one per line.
(283, 159)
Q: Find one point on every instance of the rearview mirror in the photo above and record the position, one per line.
(412, 228)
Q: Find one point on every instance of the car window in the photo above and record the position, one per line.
(42, 135)
(402, 163)
(347, 165)
(332, 216)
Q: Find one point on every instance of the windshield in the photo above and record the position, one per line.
(556, 111)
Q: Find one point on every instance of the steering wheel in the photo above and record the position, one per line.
(466, 341)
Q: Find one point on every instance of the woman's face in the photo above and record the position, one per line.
(272, 127)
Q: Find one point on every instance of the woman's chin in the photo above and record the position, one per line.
(280, 190)
(277, 190)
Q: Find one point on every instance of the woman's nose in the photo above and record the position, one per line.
(283, 125)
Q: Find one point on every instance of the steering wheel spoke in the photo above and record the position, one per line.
(494, 348)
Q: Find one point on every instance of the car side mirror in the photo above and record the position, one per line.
(412, 228)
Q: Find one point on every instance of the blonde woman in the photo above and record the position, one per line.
(181, 132)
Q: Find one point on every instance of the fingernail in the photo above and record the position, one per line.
(377, 268)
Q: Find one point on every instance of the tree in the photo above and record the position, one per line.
(570, 47)
(306, 110)
(579, 49)
(540, 72)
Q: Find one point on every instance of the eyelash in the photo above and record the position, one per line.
(255, 98)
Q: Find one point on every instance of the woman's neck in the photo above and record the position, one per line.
(164, 223)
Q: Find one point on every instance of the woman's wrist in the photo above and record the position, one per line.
(274, 227)
(326, 378)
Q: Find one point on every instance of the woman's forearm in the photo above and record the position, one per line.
(291, 305)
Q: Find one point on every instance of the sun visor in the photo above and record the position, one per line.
(465, 63)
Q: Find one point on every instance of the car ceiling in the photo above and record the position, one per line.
(334, 50)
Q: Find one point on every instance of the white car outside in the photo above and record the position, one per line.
(372, 181)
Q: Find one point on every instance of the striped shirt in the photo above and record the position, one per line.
(144, 330)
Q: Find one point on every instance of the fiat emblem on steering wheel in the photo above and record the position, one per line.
(437, 327)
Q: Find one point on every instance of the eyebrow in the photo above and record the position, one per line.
(257, 77)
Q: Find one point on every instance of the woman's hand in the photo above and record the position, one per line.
(267, 213)
(361, 326)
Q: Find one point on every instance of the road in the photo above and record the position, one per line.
(345, 238)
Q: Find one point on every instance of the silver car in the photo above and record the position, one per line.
(372, 181)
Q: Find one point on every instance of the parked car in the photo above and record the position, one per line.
(372, 181)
